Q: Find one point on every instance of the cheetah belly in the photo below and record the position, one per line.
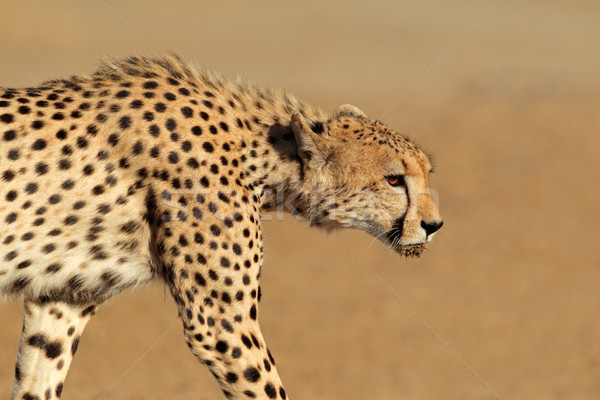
(75, 246)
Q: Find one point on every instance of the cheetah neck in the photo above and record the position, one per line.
(273, 168)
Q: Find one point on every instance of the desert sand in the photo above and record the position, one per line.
(503, 305)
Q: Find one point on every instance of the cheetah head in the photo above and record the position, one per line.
(358, 173)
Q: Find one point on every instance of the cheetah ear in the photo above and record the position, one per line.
(348, 110)
(307, 135)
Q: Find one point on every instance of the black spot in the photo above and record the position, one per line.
(215, 230)
(67, 185)
(187, 112)
(253, 312)
(82, 142)
(88, 310)
(199, 279)
(26, 236)
(12, 195)
(136, 104)
(39, 341)
(270, 390)
(113, 139)
(91, 130)
(37, 124)
(122, 94)
(222, 346)
(129, 227)
(8, 175)
(125, 122)
(171, 124)
(246, 341)
(208, 147)
(38, 222)
(31, 188)
(9, 135)
(154, 130)
(173, 157)
(61, 134)
(53, 350)
(59, 389)
(237, 249)
(193, 163)
(10, 218)
(14, 154)
(41, 168)
(160, 107)
(251, 374)
(196, 130)
(231, 377)
(7, 118)
(53, 268)
(39, 144)
(138, 147)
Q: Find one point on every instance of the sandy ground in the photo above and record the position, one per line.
(503, 305)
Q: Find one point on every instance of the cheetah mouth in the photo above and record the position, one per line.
(410, 250)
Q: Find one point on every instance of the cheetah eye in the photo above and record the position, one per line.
(396, 180)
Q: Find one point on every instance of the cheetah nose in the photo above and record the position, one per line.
(431, 227)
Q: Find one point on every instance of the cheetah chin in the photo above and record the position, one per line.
(411, 250)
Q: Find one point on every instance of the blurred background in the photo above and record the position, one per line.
(505, 302)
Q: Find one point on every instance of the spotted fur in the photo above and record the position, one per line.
(149, 169)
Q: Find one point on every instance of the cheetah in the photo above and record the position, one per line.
(149, 169)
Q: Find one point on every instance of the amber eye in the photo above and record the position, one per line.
(396, 180)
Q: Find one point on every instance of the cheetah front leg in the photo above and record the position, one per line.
(211, 257)
(50, 337)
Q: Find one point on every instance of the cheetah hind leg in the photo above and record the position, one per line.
(50, 337)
